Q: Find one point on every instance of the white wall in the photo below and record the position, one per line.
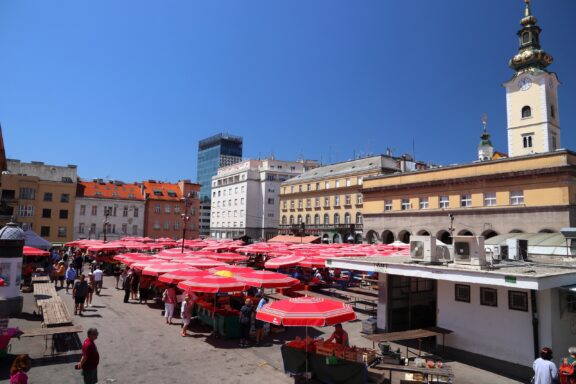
(563, 328)
(498, 332)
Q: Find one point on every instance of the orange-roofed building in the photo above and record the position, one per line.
(108, 210)
(166, 205)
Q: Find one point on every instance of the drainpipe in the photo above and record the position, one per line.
(535, 332)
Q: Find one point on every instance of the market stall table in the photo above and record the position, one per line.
(224, 321)
(430, 374)
(54, 332)
(40, 279)
(412, 334)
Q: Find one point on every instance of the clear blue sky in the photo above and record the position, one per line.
(125, 89)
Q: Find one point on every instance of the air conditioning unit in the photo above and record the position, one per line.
(469, 250)
(423, 248)
(517, 249)
(493, 251)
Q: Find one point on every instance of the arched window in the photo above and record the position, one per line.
(307, 219)
(316, 219)
(358, 218)
(347, 218)
(526, 112)
(284, 220)
(525, 37)
(336, 218)
(299, 219)
(326, 219)
(291, 220)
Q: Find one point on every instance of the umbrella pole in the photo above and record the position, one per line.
(214, 316)
(306, 349)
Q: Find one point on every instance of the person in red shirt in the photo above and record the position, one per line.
(90, 358)
(339, 336)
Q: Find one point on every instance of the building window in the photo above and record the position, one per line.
(157, 208)
(462, 293)
(25, 210)
(317, 186)
(387, 205)
(156, 224)
(359, 199)
(347, 182)
(135, 212)
(47, 196)
(326, 185)
(92, 228)
(490, 199)
(65, 198)
(270, 201)
(94, 210)
(291, 204)
(81, 228)
(527, 140)
(308, 187)
(291, 220)
(337, 183)
(336, 219)
(166, 225)
(465, 201)
(61, 231)
(284, 204)
(516, 197)
(552, 111)
(489, 297)
(134, 230)
(444, 202)
(27, 194)
(125, 211)
(326, 202)
(347, 200)
(358, 218)
(405, 204)
(316, 219)
(526, 112)
(45, 231)
(423, 203)
(347, 219)
(124, 229)
(46, 213)
(360, 180)
(326, 219)
(82, 210)
(525, 37)
(300, 188)
(283, 220)
(336, 201)
(317, 202)
(518, 301)
(291, 189)
(308, 203)
(176, 225)
(307, 219)
(167, 209)
(299, 219)
(299, 204)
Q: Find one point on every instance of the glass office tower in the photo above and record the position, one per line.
(214, 152)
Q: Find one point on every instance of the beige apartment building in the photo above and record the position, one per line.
(41, 197)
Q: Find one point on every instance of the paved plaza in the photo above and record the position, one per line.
(136, 346)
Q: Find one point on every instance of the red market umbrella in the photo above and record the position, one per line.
(283, 261)
(212, 284)
(232, 268)
(314, 262)
(105, 247)
(201, 263)
(227, 257)
(182, 274)
(306, 311)
(141, 264)
(267, 279)
(31, 251)
(158, 269)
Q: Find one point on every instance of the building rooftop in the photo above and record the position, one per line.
(109, 190)
(162, 191)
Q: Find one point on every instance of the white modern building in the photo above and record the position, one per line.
(108, 210)
(245, 197)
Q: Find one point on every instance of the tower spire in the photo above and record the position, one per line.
(485, 148)
(530, 56)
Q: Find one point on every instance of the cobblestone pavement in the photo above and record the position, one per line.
(136, 346)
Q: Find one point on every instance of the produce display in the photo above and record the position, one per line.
(356, 354)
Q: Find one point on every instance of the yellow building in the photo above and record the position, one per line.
(534, 193)
(41, 197)
(328, 202)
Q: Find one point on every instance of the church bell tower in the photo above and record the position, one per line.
(531, 95)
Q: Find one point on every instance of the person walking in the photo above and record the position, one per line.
(78, 262)
(90, 358)
(98, 279)
(144, 287)
(246, 313)
(135, 284)
(117, 272)
(127, 284)
(567, 369)
(545, 371)
(186, 313)
(170, 299)
(19, 370)
(91, 289)
(259, 324)
(59, 272)
(79, 293)
(70, 277)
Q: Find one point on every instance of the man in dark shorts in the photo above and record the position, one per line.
(90, 358)
(79, 294)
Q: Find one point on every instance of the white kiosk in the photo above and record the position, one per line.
(11, 246)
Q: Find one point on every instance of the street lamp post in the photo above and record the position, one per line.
(185, 218)
(451, 216)
(106, 214)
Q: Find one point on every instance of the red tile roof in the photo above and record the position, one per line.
(162, 191)
(109, 190)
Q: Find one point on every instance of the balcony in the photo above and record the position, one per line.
(311, 229)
